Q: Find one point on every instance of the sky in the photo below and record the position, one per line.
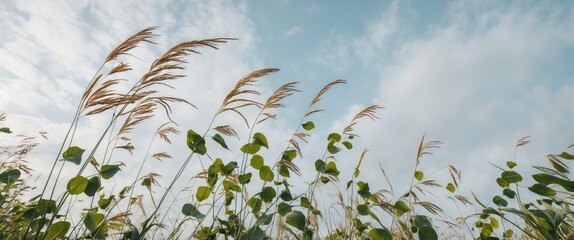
(475, 75)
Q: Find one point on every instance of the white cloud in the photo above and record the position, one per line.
(477, 90)
(293, 31)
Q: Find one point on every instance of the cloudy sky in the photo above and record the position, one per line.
(476, 75)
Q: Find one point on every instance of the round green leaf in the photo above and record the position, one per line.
(511, 177)
(363, 209)
(202, 193)
(189, 210)
(256, 162)
(244, 178)
(296, 219)
(108, 171)
(58, 230)
(419, 175)
(268, 194)
(266, 174)
(308, 125)
(261, 140)
(380, 234)
(73, 154)
(283, 208)
(450, 187)
(77, 185)
(427, 233)
(10, 176)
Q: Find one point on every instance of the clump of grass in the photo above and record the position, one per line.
(253, 197)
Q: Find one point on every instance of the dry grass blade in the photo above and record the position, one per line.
(274, 101)
(386, 177)
(302, 136)
(117, 221)
(139, 114)
(226, 130)
(570, 146)
(454, 174)
(430, 183)
(326, 88)
(369, 112)
(161, 156)
(361, 158)
(132, 42)
(295, 145)
(164, 130)
(425, 146)
(431, 207)
(246, 81)
(2, 117)
(464, 200)
(290, 165)
(557, 164)
(235, 99)
(522, 141)
(121, 67)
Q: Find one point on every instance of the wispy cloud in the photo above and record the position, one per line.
(293, 31)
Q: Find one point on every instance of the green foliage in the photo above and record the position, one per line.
(223, 200)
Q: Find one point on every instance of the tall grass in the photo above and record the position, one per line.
(253, 197)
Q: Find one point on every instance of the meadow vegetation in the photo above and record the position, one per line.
(220, 207)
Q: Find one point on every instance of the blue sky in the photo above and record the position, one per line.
(476, 75)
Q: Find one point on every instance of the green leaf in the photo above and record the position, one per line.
(427, 233)
(308, 125)
(46, 206)
(229, 185)
(324, 179)
(320, 166)
(108, 171)
(219, 139)
(255, 204)
(261, 140)
(542, 190)
(546, 179)
(250, 148)
(5, 130)
(202, 193)
(364, 190)
(73, 154)
(566, 156)
(284, 171)
(228, 168)
(419, 175)
(332, 149)
(305, 202)
(334, 136)
(401, 208)
(58, 230)
(499, 201)
(289, 155)
(348, 145)
(510, 164)
(450, 187)
(511, 177)
(380, 234)
(508, 233)
(502, 183)
(266, 174)
(363, 209)
(93, 220)
(296, 219)
(253, 233)
(189, 210)
(509, 193)
(105, 202)
(494, 222)
(286, 195)
(93, 186)
(256, 162)
(10, 176)
(77, 185)
(283, 208)
(196, 143)
(331, 168)
(267, 194)
(244, 178)
(420, 221)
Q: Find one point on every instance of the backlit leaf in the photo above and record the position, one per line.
(73, 154)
